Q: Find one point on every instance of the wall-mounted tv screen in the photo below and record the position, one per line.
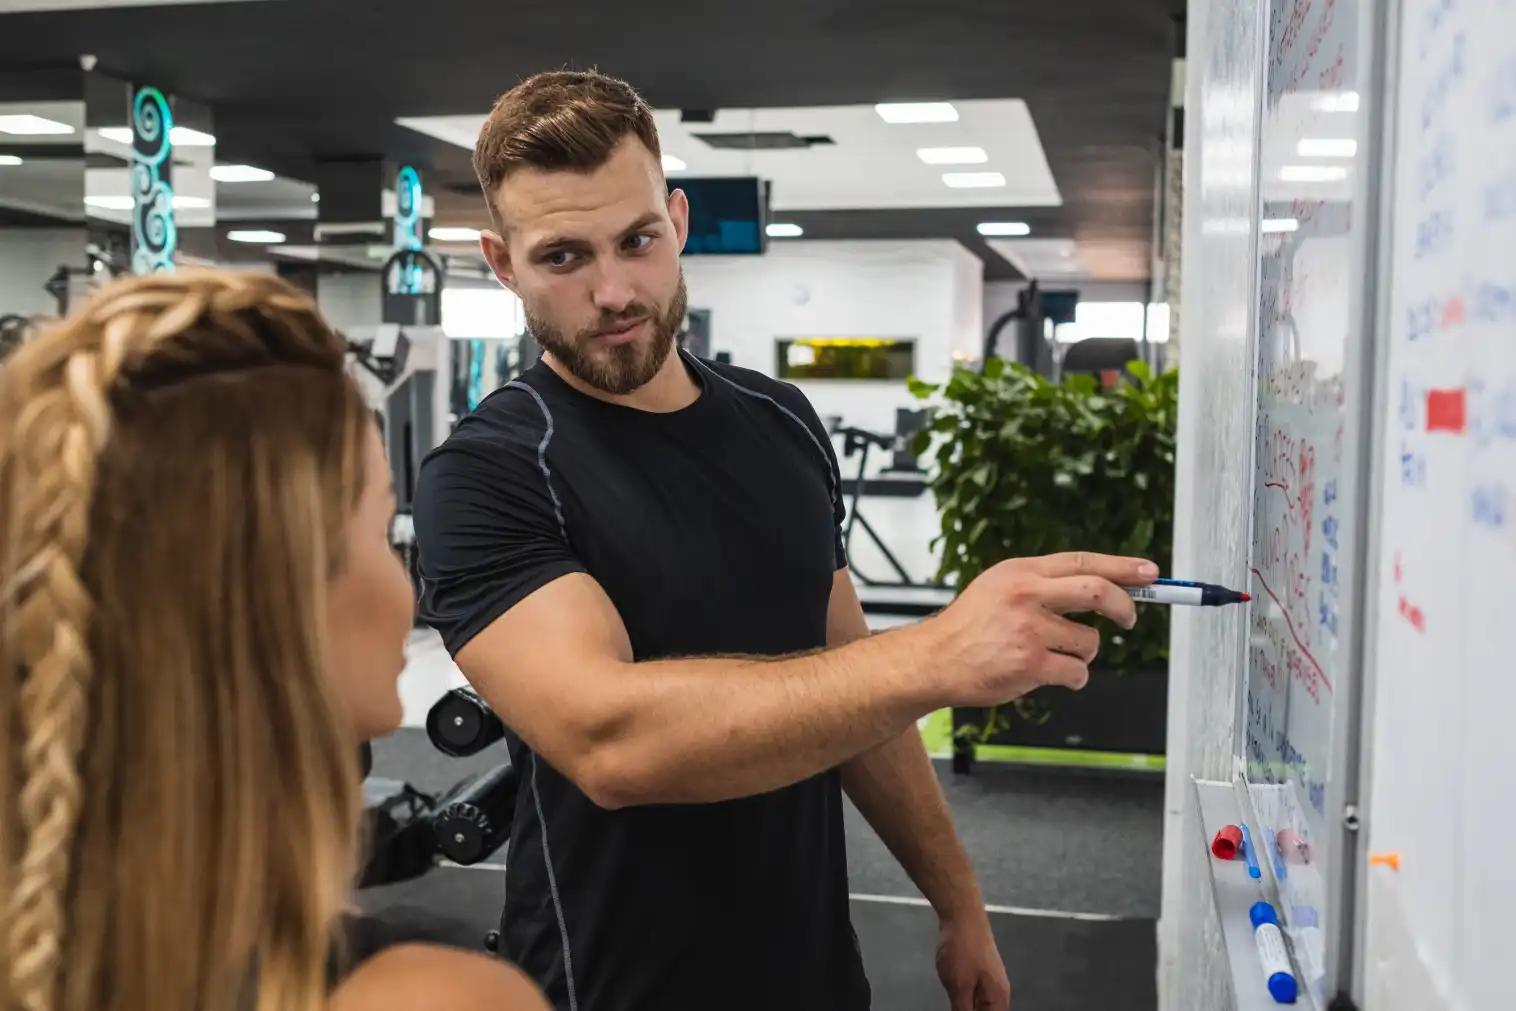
(728, 216)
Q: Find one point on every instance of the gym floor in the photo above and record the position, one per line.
(1068, 861)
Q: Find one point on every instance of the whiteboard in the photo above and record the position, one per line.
(1438, 929)
(1312, 255)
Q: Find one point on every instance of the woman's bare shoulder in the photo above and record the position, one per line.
(424, 977)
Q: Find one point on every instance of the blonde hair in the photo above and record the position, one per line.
(179, 799)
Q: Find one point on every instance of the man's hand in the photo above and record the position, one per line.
(969, 965)
(1006, 633)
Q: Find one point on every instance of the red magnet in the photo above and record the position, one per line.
(1227, 842)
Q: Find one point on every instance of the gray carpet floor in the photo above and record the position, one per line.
(1040, 839)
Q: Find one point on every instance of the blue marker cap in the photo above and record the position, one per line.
(1282, 988)
(1261, 913)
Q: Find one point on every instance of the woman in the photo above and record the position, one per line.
(200, 618)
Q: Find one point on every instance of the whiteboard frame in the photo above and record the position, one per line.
(1382, 135)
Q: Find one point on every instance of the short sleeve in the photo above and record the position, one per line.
(797, 403)
(489, 533)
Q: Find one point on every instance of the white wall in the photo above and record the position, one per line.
(350, 299)
(932, 291)
(28, 257)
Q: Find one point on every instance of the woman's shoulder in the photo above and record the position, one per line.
(416, 976)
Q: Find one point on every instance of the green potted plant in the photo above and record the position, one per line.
(1023, 466)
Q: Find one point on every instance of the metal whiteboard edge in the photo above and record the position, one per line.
(1233, 893)
(1380, 134)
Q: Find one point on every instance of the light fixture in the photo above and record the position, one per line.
(1336, 101)
(190, 203)
(315, 198)
(109, 203)
(454, 234)
(32, 126)
(240, 174)
(784, 230)
(1326, 147)
(917, 112)
(180, 136)
(952, 155)
(9, 159)
(973, 180)
(1004, 228)
(1277, 226)
(1313, 174)
(672, 163)
(259, 235)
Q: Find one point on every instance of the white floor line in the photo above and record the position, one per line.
(895, 900)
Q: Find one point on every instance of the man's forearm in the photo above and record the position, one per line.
(895, 788)
(710, 729)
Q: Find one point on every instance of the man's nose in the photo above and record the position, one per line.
(613, 290)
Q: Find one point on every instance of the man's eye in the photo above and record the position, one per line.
(638, 242)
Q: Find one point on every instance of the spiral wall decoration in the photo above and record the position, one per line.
(155, 237)
(407, 208)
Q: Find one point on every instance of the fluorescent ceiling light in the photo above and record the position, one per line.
(1278, 225)
(917, 112)
(180, 136)
(784, 230)
(1326, 147)
(973, 180)
(260, 235)
(9, 159)
(952, 155)
(673, 164)
(190, 203)
(1313, 174)
(240, 174)
(1336, 101)
(1005, 228)
(454, 234)
(32, 126)
(315, 198)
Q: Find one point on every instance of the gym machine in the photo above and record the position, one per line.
(858, 442)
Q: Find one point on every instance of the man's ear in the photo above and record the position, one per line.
(679, 214)
(498, 255)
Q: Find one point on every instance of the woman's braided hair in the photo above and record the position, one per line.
(93, 419)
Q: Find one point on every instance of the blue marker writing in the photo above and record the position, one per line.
(1178, 591)
(1250, 854)
(1273, 954)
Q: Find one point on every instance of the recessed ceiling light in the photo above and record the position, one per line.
(1004, 228)
(454, 234)
(1313, 173)
(190, 203)
(917, 112)
(1336, 101)
(1277, 225)
(973, 180)
(315, 198)
(9, 159)
(1326, 147)
(952, 155)
(673, 164)
(180, 136)
(109, 203)
(240, 174)
(260, 235)
(784, 230)
(32, 126)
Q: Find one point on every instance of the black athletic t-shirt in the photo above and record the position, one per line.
(713, 529)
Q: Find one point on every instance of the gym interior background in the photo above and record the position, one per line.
(884, 191)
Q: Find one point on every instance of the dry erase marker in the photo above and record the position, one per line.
(1178, 591)
(1278, 972)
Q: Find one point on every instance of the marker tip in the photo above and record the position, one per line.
(1246, 597)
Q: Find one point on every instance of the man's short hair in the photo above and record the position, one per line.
(560, 120)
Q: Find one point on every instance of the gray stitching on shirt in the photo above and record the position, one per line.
(547, 437)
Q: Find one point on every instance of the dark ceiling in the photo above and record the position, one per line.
(293, 81)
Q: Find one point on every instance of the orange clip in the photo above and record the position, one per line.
(1390, 860)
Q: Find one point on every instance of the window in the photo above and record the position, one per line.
(801, 358)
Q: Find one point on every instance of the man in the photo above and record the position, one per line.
(635, 557)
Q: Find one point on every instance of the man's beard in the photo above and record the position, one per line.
(626, 367)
